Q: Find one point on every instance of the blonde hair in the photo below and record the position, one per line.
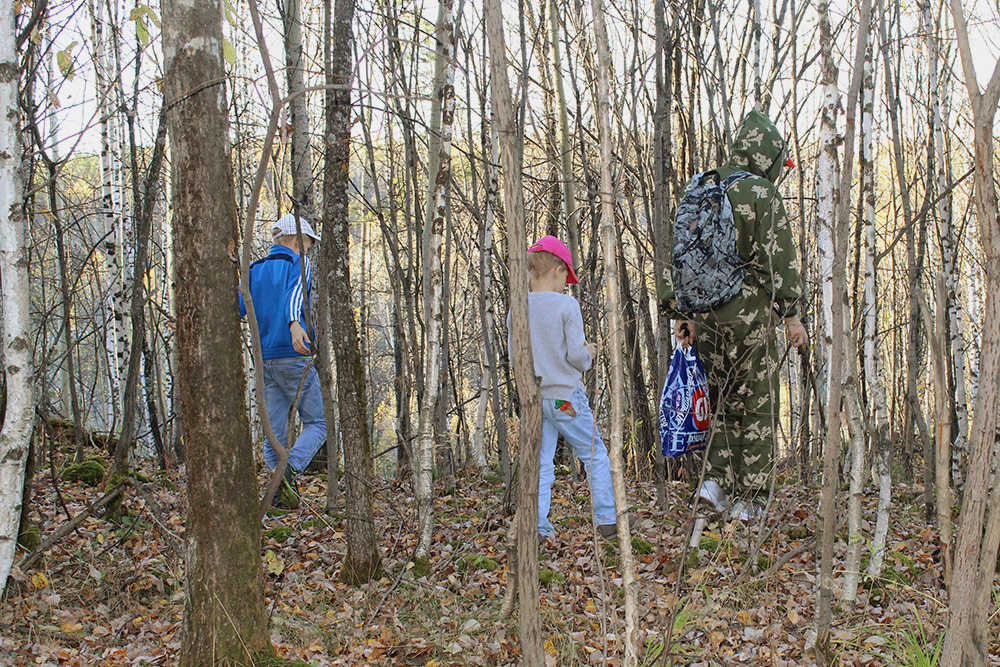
(541, 262)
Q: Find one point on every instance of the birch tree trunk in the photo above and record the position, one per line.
(363, 561)
(17, 367)
(490, 381)
(301, 165)
(842, 384)
(110, 212)
(870, 352)
(530, 432)
(223, 570)
(827, 193)
(946, 235)
(434, 217)
(966, 641)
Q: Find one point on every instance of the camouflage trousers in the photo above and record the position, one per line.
(739, 350)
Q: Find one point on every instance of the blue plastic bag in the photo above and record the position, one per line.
(684, 409)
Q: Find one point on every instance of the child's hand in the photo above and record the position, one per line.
(300, 341)
(592, 348)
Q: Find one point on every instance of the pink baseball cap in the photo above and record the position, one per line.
(551, 244)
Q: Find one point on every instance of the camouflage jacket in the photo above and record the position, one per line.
(763, 233)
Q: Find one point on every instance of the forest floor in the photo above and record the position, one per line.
(112, 594)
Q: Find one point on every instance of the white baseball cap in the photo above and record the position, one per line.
(286, 227)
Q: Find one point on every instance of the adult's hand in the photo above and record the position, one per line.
(684, 330)
(795, 332)
(300, 341)
(592, 348)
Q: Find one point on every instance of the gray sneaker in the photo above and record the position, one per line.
(609, 531)
(713, 496)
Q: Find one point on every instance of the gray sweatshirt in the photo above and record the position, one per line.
(557, 343)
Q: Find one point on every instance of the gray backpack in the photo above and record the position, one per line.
(706, 267)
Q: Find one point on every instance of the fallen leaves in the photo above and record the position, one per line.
(112, 595)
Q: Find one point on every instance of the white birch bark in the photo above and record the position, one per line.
(827, 189)
(301, 163)
(116, 334)
(433, 274)
(947, 235)
(840, 384)
(872, 360)
(488, 378)
(616, 335)
(15, 321)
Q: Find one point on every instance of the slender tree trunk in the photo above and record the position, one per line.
(440, 173)
(224, 618)
(565, 148)
(530, 431)
(17, 368)
(842, 381)
(881, 445)
(937, 333)
(143, 207)
(363, 561)
(616, 342)
(301, 166)
(946, 235)
(966, 641)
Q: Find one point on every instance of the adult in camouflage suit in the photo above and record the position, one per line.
(736, 340)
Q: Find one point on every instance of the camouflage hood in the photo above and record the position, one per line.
(759, 147)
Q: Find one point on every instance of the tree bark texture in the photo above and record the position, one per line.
(530, 431)
(975, 555)
(17, 368)
(301, 162)
(363, 560)
(616, 336)
(442, 123)
(224, 615)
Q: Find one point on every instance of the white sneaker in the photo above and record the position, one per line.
(745, 512)
(713, 495)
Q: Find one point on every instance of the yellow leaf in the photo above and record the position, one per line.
(228, 51)
(549, 647)
(433, 663)
(590, 606)
(274, 564)
(100, 538)
(39, 580)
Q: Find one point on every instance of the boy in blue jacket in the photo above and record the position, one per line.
(280, 300)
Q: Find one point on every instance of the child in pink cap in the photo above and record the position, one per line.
(561, 355)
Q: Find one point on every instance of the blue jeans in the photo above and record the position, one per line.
(586, 441)
(281, 382)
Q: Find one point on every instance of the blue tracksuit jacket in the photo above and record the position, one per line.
(278, 300)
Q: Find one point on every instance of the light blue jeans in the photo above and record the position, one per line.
(586, 441)
(281, 382)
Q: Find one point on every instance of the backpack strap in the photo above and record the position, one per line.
(729, 180)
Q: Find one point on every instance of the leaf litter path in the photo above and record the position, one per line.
(113, 594)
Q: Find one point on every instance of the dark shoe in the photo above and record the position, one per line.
(609, 531)
(287, 497)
